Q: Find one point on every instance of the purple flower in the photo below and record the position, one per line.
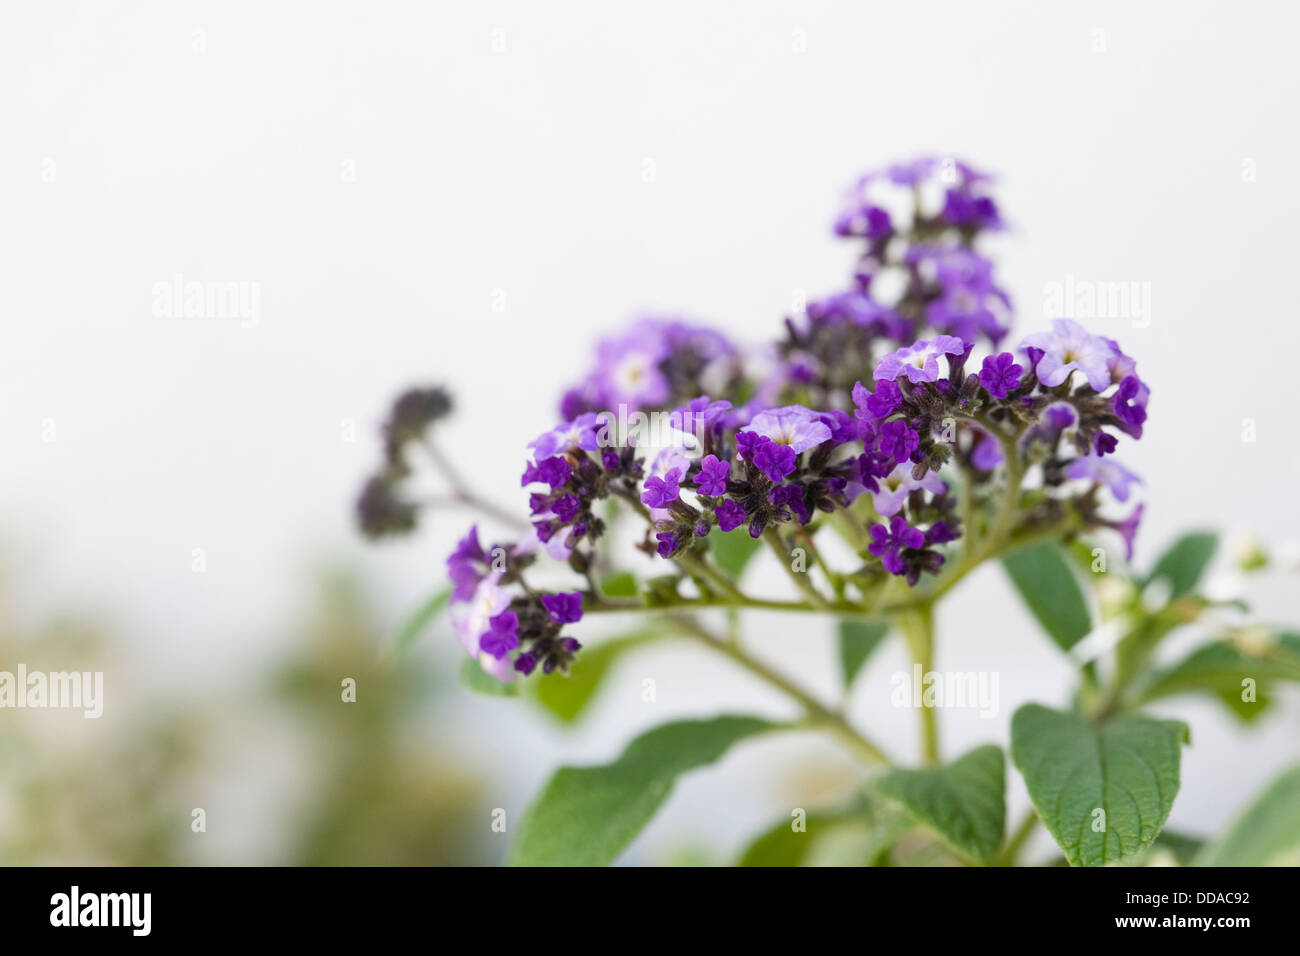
(502, 635)
(471, 619)
(898, 484)
(730, 515)
(1107, 471)
(940, 533)
(1000, 374)
(712, 479)
(919, 361)
(563, 608)
(1128, 529)
(1067, 348)
(898, 440)
(775, 461)
(697, 415)
(988, 453)
(566, 507)
(525, 664)
(792, 497)
(792, 425)
(878, 404)
(668, 544)
(661, 492)
(553, 471)
(887, 542)
(1105, 444)
(578, 433)
(463, 566)
(1130, 405)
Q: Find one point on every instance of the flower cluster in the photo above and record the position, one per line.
(509, 633)
(381, 508)
(653, 364)
(918, 272)
(894, 417)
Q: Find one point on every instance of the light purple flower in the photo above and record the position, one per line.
(471, 619)
(898, 484)
(919, 361)
(1069, 347)
(578, 433)
(1107, 471)
(792, 425)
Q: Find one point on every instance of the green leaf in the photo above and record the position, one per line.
(1220, 668)
(621, 584)
(567, 697)
(422, 618)
(1184, 562)
(1127, 768)
(964, 802)
(733, 549)
(473, 677)
(857, 640)
(782, 845)
(1052, 592)
(586, 816)
(1267, 834)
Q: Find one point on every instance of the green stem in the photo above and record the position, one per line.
(1011, 852)
(917, 626)
(800, 579)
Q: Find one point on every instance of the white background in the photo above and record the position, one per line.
(381, 169)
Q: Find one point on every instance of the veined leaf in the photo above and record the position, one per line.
(1050, 588)
(586, 816)
(964, 802)
(1103, 791)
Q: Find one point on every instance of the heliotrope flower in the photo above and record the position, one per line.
(712, 479)
(795, 426)
(898, 440)
(1106, 471)
(772, 459)
(563, 608)
(1067, 348)
(919, 361)
(661, 492)
(472, 619)
(878, 404)
(580, 432)
(898, 484)
(887, 543)
(1000, 374)
(502, 635)
(730, 515)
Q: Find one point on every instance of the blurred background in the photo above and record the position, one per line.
(412, 193)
